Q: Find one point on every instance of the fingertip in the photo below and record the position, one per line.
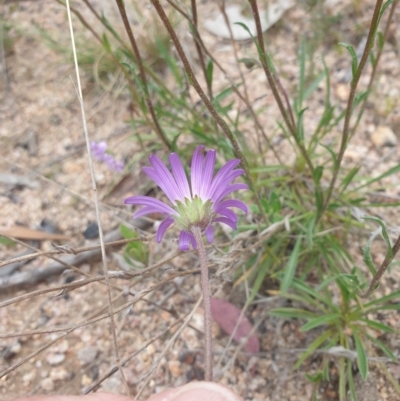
(198, 391)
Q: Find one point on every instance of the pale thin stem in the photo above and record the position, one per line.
(196, 231)
(96, 200)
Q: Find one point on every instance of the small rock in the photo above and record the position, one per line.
(394, 119)
(86, 380)
(342, 91)
(47, 384)
(384, 136)
(92, 231)
(150, 349)
(29, 377)
(9, 352)
(87, 355)
(55, 359)
(175, 368)
(43, 373)
(59, 373)
(62, 347)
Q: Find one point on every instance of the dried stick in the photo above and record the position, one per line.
(113, 274)
(142, 73)
(66, 249)
(61, 264)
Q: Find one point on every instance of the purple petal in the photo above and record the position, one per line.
(230, 203)
(220, 176)
(226, 221)
(163, 177)
(180, 175)
(184, 240)
(208, 172)
(145, 211)
(228, 190)
(228, 179)
(161, 207)
(209, 232)
(162, 183)
(229, 214)
(193, 241)
(163, 227)
(196, 171)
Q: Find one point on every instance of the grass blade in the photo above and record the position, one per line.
(291, 267)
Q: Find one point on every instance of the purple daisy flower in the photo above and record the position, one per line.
(197, 205)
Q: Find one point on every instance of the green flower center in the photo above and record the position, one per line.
(193, 212)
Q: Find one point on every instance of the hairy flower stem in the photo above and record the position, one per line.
(196, 231)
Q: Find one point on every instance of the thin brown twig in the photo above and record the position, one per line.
(199, 49)
(268, 72)
(75, 251)
(119, 274)
(142, 73)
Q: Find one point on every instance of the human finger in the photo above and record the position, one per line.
(197, 391)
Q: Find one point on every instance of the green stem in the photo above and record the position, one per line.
(383, 267)
(350, 102)
(196, 231)
(274, 83)
(374, 68)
